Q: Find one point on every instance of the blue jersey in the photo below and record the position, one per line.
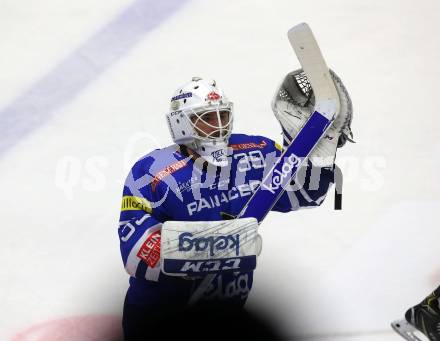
(168, 184)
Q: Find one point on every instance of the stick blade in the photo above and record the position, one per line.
(312, 61)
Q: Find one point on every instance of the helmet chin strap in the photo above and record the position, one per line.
(215, 152)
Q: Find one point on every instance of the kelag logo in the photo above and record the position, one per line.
(278, 177)
(187, 243)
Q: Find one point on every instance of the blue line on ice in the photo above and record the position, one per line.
(40, 102)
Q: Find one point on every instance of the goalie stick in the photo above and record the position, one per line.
(285, 168)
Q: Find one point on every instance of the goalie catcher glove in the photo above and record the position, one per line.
(293, 104)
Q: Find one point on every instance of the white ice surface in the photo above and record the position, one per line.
(331, 275)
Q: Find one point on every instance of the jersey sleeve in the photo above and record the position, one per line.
(308, 190)
(140, 225)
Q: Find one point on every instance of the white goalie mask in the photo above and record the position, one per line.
(201, 117)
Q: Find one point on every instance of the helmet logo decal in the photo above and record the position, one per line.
(213, 96)
(184, 95)
(175, 100)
